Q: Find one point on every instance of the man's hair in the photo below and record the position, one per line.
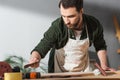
(78, 4)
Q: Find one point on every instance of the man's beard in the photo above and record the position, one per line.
(75, 26)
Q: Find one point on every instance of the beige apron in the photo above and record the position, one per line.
(73, 56)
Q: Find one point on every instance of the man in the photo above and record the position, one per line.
(69, 38)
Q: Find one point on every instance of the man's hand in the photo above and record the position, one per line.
(107, 68)
(103, 61)
(35, 58)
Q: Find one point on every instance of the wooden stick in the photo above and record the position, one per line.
(101, 70)
(97, 65)
(66, 74)
(30, 64)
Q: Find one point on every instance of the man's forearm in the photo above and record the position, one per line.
(102, 58)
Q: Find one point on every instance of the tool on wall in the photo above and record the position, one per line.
(117, 27)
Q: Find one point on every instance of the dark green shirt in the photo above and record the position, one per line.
(57, 35)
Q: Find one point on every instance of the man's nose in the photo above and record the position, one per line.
(67, 21)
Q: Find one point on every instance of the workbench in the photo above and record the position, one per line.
(79, 76)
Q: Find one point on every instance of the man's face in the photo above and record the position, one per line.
(71, 17)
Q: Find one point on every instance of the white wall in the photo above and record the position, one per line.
(21, 30)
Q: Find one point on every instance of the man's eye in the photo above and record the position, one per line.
(63, 16)
(71, 16)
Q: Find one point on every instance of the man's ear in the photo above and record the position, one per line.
(81, 10)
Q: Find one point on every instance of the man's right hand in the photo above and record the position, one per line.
(35, 58)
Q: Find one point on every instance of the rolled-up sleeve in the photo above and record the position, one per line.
(99, 41)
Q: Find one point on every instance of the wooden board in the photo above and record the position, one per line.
(79, 76)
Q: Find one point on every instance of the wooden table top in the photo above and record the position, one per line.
(79, 76)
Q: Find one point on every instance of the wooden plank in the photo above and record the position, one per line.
(66, 74)
(79, 74)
